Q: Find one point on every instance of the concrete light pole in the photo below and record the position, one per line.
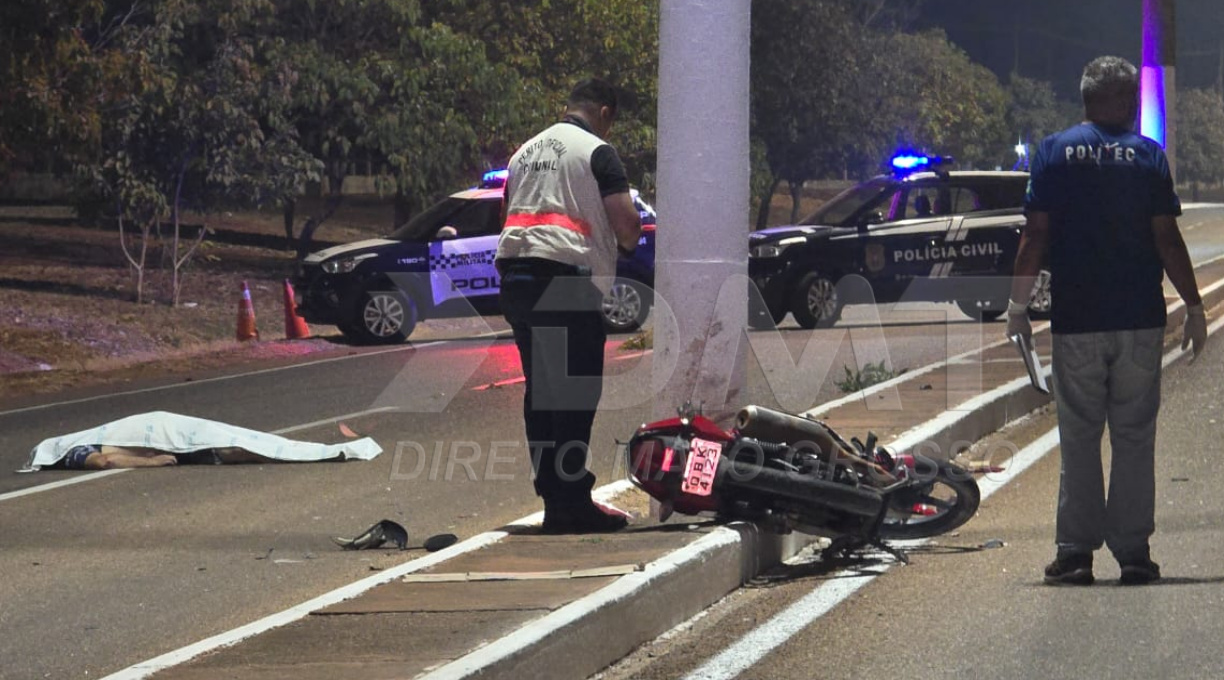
(702, 244)
(1158, 98)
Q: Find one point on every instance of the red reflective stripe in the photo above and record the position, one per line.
(548, 220)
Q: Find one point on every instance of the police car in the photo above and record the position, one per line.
(920, 234)
(440, 264)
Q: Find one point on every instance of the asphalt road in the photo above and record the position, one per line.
(972, 604)
(118, 569)
(965, 610)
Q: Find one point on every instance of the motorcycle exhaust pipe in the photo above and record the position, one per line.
(806, 489)
(767, 424)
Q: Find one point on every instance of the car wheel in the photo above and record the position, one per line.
(816, 303)
(1041, 303)
(626, 306)
(383, 317)
(981, 310)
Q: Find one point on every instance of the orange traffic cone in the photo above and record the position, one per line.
(246, 316)
(295, 326)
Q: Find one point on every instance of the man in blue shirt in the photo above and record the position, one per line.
(1101, 202)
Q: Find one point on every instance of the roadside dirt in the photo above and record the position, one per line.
(68, 315)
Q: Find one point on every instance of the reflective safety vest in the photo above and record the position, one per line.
(555, 211)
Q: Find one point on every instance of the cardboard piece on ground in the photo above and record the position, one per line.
(469, 596)
(593, 572)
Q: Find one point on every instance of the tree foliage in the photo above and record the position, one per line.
(1035, 112)
(553, 44)
(200, 126)
(801, 114)
(1200, 137)
(837, 86)
(943, 102)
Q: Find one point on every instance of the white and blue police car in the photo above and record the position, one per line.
(440, 264)
(922, 233)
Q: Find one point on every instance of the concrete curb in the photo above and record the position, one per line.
(610, 623)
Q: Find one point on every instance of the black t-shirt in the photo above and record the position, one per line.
(1101, 188)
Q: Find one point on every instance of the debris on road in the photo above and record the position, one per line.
(376, 536)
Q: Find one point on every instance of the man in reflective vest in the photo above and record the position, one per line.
(568, 214)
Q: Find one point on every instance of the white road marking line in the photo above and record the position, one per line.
(750, 649)
(261, 371)
(57, 485)
(106, 473)
(231, 637)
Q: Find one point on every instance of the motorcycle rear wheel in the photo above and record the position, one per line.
(933, 507)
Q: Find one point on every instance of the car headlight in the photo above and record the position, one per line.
(345, 265)
(769, 250)
(775, 249)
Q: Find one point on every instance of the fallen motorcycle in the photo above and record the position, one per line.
(788, 472)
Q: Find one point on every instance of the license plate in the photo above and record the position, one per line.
(700, 468)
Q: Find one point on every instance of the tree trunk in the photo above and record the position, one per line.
(405, 208)
(289, 211)
(796, 192)
(335, 196)
(766, 202)
(137, 264)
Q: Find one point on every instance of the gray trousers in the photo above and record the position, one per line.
(1107, 378)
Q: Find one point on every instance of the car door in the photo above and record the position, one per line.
(462, 251)
(903, 253)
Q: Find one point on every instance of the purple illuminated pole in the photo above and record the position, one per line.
(1159, 76)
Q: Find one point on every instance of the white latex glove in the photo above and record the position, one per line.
(1194, 329)
(1018, 321)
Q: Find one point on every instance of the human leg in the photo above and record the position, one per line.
(1134, 402)
(1080, 389)
(567, 356)
(115, 457)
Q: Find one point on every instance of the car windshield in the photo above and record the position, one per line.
(841, 209)
(469, 217)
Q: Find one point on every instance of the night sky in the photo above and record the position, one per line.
(1058, 37)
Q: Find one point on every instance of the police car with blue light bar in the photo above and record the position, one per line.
(440, 264)
(922, 233)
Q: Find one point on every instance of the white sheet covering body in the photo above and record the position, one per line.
(175, 433)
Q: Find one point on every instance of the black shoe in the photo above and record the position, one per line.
(1139, 572)
(581, 518)
(1070, 570)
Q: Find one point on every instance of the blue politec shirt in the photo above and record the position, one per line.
(1102, 187)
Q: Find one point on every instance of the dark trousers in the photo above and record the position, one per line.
(553, 310)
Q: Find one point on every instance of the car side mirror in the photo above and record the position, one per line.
(874, 218)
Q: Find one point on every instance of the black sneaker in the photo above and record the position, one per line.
(1070, 570)
(1139, 572)
(581, 518)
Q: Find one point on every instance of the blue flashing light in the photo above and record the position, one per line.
(494, 179)
(907, 162)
